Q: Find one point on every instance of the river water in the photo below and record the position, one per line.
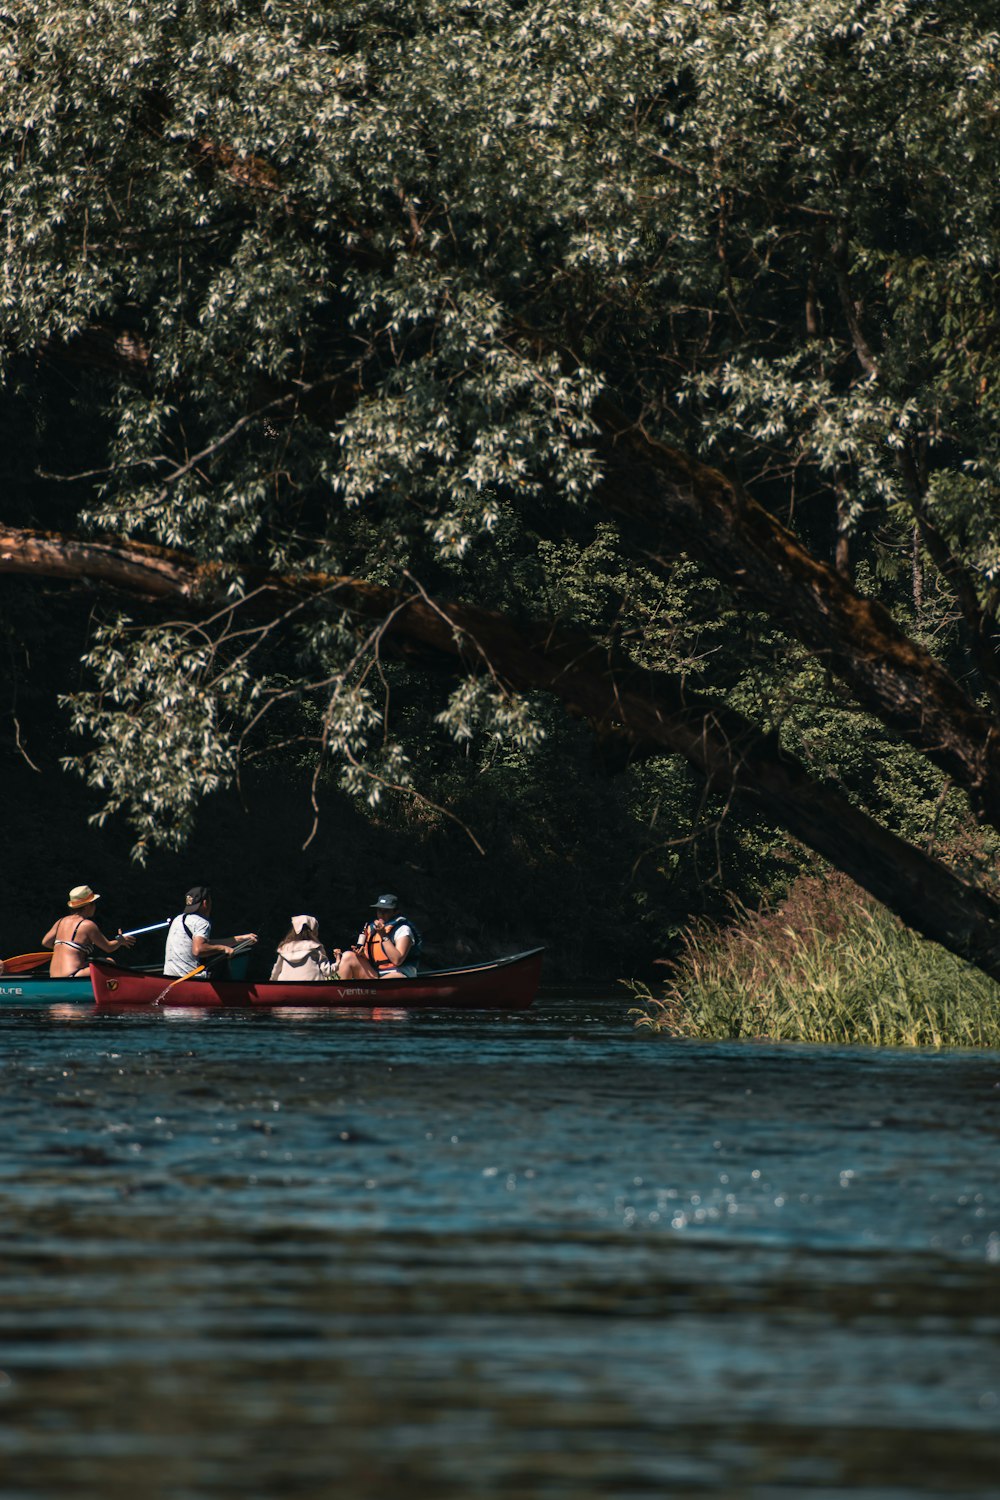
(505, 1256)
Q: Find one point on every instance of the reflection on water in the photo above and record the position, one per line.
(516, 1256)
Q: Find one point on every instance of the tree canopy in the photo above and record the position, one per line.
(401, 374)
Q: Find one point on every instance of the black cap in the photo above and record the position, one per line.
(197, 895)
(385, 903)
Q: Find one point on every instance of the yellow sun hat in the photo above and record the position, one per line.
(82, 895)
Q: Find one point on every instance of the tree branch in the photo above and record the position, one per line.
(652, 712)
(698, 510)
(665, 494)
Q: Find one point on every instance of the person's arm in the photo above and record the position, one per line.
(395, 951)
(93, 935)
(49, 940)
(204, 947)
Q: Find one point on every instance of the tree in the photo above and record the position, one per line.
(564, 309)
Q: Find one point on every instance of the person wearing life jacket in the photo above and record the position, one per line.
(301, 955)
(75, 937)
(388, 946)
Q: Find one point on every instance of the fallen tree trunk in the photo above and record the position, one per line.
(698, 510)
(654, 713)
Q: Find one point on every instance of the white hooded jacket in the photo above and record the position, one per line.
(300, 959)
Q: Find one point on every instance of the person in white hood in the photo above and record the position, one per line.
(301, 955)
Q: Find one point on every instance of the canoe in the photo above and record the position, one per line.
(504, 984)
(36, 987)
(21, 989)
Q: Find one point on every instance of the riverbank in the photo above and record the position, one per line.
(827, 965)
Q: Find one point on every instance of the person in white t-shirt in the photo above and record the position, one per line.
(189, 937)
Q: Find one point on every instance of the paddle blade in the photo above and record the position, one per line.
(179, 980)
(22, 962)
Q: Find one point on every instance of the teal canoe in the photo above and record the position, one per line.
(22, 989)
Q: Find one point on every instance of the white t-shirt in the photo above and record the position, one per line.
(179, 956)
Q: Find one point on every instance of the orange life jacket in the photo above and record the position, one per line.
(374, 950)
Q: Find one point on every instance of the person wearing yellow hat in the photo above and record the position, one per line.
(75, 937)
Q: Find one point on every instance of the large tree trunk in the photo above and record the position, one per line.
(652, 712)
(696, 509)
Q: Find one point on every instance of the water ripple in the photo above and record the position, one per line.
(500, 1256)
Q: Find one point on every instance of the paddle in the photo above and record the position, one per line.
(240, 948)
(154, 927)
(22, 962)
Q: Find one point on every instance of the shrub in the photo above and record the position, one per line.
(829, 964)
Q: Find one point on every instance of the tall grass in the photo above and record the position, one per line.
(828, 965)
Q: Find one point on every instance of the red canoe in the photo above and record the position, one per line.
(505, 984)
